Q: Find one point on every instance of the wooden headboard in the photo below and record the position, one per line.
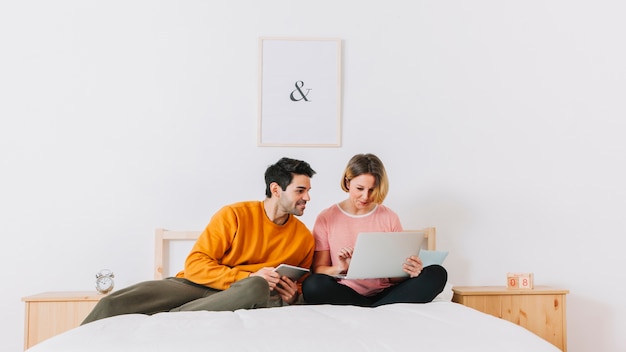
(162, 238)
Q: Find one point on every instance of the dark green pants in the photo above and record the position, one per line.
(175, 294)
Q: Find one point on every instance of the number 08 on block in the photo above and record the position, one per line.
(519, 281)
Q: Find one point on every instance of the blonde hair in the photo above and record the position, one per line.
(361, 164)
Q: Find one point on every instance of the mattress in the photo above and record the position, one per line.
(435, 326)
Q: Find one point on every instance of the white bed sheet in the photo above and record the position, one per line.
(436, 326)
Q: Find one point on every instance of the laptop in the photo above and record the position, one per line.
(381, 254)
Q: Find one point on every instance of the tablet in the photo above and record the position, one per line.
(292, 272)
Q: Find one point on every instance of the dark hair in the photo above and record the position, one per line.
(282, 173)
(361, 164)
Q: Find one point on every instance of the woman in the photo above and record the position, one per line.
(335, 230)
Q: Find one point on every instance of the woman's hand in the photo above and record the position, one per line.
(344, 254)
(413, 266)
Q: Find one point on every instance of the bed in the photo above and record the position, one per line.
(437, 326)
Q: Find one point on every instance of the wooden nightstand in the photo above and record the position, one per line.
(540, 310)
(51, 313)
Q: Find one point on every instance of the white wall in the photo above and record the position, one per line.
(500, 122)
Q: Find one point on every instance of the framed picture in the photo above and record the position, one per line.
(299, 92)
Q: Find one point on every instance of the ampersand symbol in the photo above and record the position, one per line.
(303, 95)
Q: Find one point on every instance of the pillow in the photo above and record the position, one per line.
(437, 257)
(445, 295)
(432, 257)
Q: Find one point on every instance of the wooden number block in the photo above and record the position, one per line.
(519, 281)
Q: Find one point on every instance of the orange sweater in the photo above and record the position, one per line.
(240, 240)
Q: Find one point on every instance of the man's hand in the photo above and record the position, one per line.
(287, 289)
(268, 273)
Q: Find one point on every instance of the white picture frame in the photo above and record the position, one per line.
(299, 92)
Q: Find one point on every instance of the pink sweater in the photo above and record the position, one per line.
(335, 229)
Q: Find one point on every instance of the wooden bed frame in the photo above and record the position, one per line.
(162, 238)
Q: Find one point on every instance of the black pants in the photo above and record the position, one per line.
(325, 289)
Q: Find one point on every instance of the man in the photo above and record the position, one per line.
(231, 265)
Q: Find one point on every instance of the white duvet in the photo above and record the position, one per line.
(436, 326)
